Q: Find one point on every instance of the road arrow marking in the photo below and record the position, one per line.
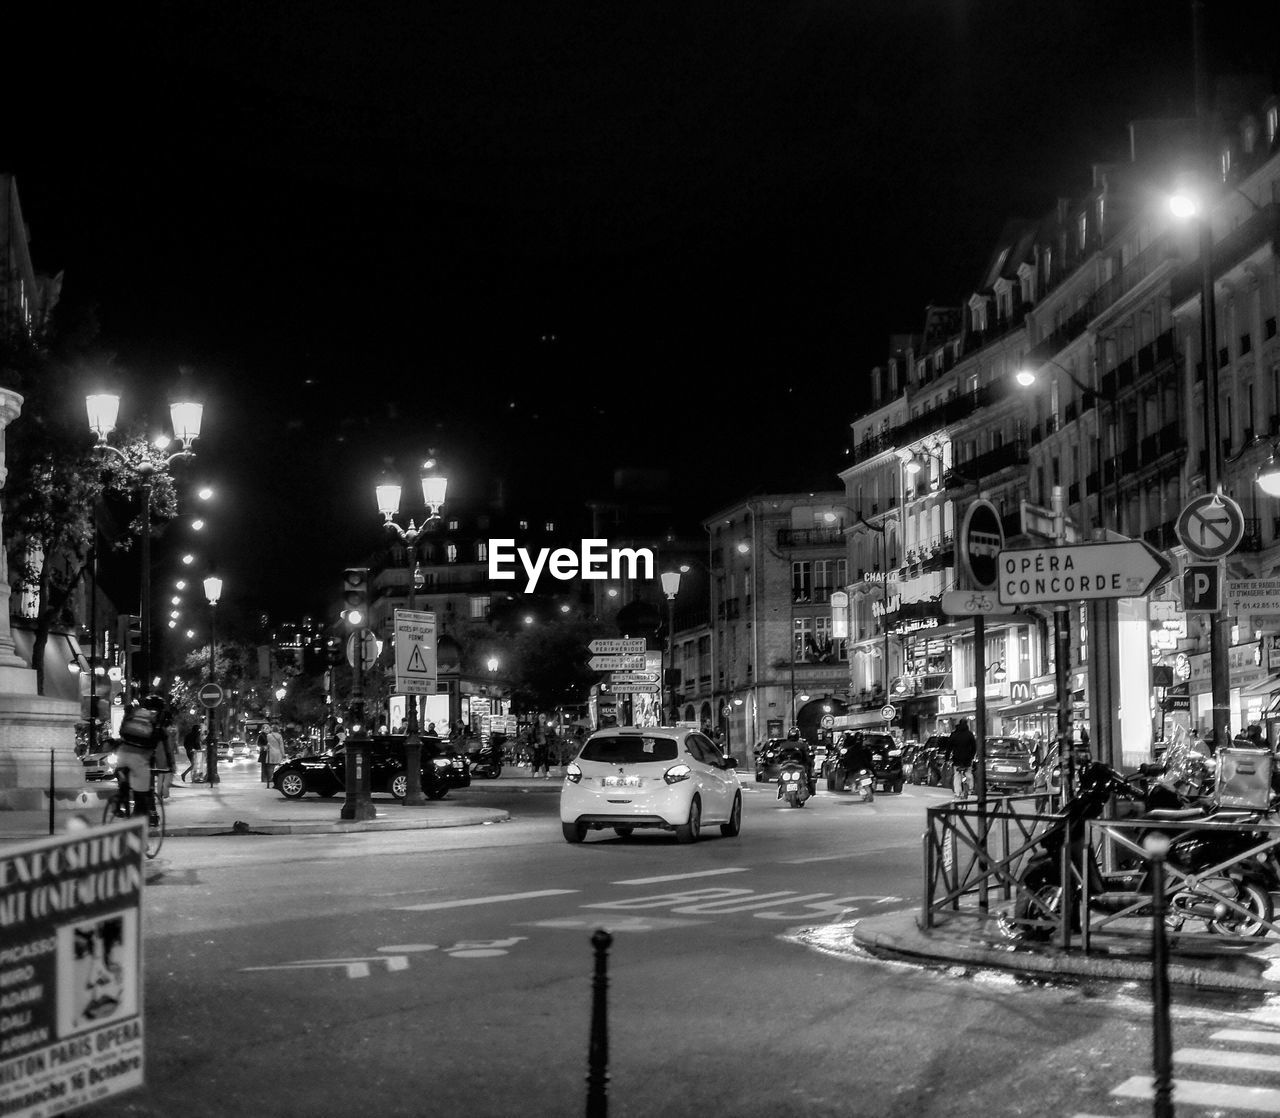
(356, 966)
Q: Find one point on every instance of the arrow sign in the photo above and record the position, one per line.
(1078, 572)
(634, 677)
(622, 645)
(616, 663)
(634, 688)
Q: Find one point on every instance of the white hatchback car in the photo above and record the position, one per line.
(652, 776)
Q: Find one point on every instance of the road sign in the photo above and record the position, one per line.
(634, 677)
(973, 603)
(1211, 526)
(368, 649)
(628, 663)
(1202, 587)
(634, 688)
(211, 695)
(1253, 595)
(981, 541)
(888, 711)
(1038, 521)
(415, 645)
(1079, 572)
(617, 645)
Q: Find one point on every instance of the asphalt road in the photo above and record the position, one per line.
(449, 972)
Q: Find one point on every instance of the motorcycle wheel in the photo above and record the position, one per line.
(1257, 900)
(1026, 912)
(793, 799)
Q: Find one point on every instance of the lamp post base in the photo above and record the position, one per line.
(413, 796)
(357, 805)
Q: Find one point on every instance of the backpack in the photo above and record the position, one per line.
(139, 727)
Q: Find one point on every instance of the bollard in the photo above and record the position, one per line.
(598, 1048)
(1161, 1031)
(51, 791)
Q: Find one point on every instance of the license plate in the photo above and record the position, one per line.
(1003, 769)
(791, 785)
(621, 782)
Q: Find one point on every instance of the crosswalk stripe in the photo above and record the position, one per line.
(1251, 1061)
(1192, 1092)
(1247, 1036)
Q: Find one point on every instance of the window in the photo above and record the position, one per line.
(1083, 231)
(801, 637)
(823, 570)
(451, 553)
(453, 525)
(842, 572)
(1226, 162)
(801, 582)
(479, 607)
(482, 551)
(1273, 123)
(524, 525)
(551, 525)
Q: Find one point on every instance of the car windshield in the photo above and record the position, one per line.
(878, 742)
(629, 749)
(1006, 747)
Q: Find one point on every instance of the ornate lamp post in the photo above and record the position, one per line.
(103, 409)
(670, 587)
(212, 591)
(388, 492)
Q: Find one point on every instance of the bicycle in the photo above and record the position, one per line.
(120, 805)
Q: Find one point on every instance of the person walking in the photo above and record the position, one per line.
(166, 756)
(963, 747)
(275, 752)
(541, 748)
(262, 754)
(191, 746)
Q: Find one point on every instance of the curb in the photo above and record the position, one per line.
(475, 817)
(938, 950)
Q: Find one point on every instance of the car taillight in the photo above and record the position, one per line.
(573, 774)
(677, 773)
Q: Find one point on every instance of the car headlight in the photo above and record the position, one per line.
(441, 762)
(677, 773)
(895, 753)
(111, 760)
(573, 774)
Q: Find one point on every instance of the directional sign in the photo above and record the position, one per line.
(634, 688)
(1202, 587)
(1079, 572)
(1211, 526)
(973, 603)
(415, 644)
(634, 677)
(623, 645)
(617, 663)
(211, 695)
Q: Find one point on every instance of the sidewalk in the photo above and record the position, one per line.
(240, 804)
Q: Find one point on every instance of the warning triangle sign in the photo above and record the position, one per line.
(417, 665)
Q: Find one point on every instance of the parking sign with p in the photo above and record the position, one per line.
(1202, 588)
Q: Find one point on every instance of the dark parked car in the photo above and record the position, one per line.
(324, 774)
(1010, 765)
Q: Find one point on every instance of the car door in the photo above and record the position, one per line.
(715, 780)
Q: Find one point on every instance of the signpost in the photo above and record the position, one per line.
(974, 603)
(634, 688)
(622, 645)
(981, 540)
(1210, 526)
(368, 649)
(629, 662)
(1202, 587)
(415, 647)
(1078, 572)
(634, 677)
(888, 711)
(211, 695)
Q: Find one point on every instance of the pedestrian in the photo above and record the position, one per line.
(541, 748)
(191, 746)
(275, 752)
(166, 756)
(963, 747)
(141, 735)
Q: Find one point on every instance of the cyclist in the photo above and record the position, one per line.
(963, 747)
(141, 733)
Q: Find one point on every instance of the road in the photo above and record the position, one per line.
(448, 972)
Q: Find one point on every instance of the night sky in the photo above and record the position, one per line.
(550, 239)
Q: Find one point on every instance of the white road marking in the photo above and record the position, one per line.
(434, 906)
(615, 924)
(841, 856)
(1192, 1092)
(680, 876)
(1247, 1036)
(356, 967)
(1250, 1061)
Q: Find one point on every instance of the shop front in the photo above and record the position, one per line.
(1250, 688)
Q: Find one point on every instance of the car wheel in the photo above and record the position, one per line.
(436, 792)
(495, 772)
(734, 827)
(759, 777)
(292, 786)
(623, 832)
(897, 787)
(688, 832)
(574, 832)
(329, 793)
(399, 786)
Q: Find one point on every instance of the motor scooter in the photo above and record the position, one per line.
(864, 783)
(487, 763)
(793, 783)
(1230, 901)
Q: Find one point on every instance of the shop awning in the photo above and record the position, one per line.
(1032, 706)
(1263, 687)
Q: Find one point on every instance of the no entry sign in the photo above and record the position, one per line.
(211, 695)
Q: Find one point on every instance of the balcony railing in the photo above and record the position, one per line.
(810, 537)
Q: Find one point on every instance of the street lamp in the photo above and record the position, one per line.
(103, 409)
(212, 591)
(388, 492)
(671, 587)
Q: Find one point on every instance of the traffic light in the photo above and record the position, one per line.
(130, 633)
(355, 597)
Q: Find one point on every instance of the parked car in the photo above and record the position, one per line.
(1010, 765)
(665, 777)
(100, 762)
(443, 768)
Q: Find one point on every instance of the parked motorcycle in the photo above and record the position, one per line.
(864, 783)
(1234, 901)
(793, 783)
(487, 763)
